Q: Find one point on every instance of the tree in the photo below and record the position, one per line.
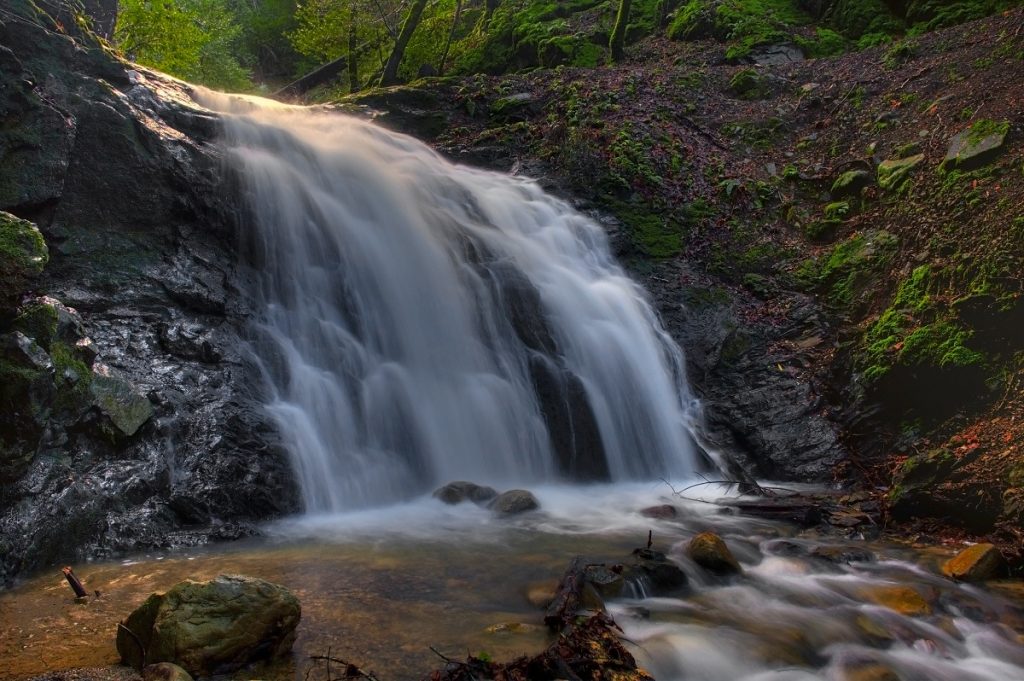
(451, 36)
(412, 20)
(618, 39)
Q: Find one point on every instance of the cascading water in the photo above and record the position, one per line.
(425, 321)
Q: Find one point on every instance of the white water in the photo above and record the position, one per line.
(400, 333)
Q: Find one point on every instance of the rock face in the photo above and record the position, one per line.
(131, 366)
(978, 563)
(709, 551)
(212, 627)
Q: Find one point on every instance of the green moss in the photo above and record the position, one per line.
(72, 378)
(894, 173)
(748, 84)
(655, 234)
(826, 43)
(23, 255)
(745, 24)
(901, 52)
(984, 127)
(38, 321)
(855, 18)
(837, 210)
(843, 272)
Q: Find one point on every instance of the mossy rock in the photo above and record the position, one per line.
(976, 146)
(23, 255)
(749, 84)
(26, 393)
(851, 183)
(709, 551)
(905, 600)
(211, 627)
(892, 173)
(118, 400)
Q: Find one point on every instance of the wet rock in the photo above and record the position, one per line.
(23, 255)
(654, 568)
(120, 402)
(414, 111)
(977, 146)
(903, 599)
(843, 554)
(709, 551)
(662, 512)
(775, 55)
(165, 671)
(893, 172)
(800, 511)
(515, 501)
(869, 671)
(461, 490)
(515, 628)
(212, 627)
(934, 485)
(608, 582)
(977, 563)
(520, 106)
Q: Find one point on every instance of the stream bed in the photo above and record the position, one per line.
(379, 588)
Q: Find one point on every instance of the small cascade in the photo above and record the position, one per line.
(424, 321)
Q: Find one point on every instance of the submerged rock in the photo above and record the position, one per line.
(977, 563)
(842, 554)
(211, 627)
(709, 551)
(515, 501)
(662, 512)
(656, 570)
(461, 490)
(905, 600)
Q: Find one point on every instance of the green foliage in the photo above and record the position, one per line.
(837, 210)
(826, 43)
(748, 84)
(901, 52)
(745, 24)
(197, 40)
(845, 270)
(856, 18)
(928, 15)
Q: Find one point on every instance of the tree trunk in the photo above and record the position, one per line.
(412, 20)
(618, 40)
(451, 36)
(489, 11)
(353, 58)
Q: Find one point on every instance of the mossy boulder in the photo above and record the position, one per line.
(851, 183)
(892, 173)
(211, 627)
(749, 84)
(977, 563)
(23, 255)
(709, 551)
(976, 146)
(515, 501)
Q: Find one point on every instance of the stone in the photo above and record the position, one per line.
(654, 568)
(662, 512)
(903, 599)
(871, 671)
(976, 146)
(461, 490)
(23, 255)
(977, 563)
(851, 183)
(515, 501)
(120, 402)
(212, 627)
(165, 671)
(892, 172)
(606, 581)
(709, 551)
(843, 554)
(515, 107)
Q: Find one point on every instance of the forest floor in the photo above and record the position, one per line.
(731, 168)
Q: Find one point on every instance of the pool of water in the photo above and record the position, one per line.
(379, 588)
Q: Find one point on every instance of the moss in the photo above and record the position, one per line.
(837, 210)
(38, 321)
(655, 234)
(984, 127)
(843, 272)
(894, 173)
(826, 43)
(23, 255)
(745, 24)
(748, 84)
(72, 378)
(855, 18)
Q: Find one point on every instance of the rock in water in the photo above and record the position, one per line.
(709, 551)
(976, 564)
(460, 490)
(515, 501)
(211, 627)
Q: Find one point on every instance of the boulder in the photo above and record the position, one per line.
(165, 671)
(976, 146)
(842, 554)
(656, 570)
(119, 401)
(662, 512)
(709, 551)
(461, 490)
(608, 582)
(211, 627)
(515, 501)
(851, 183)
(977, 563)
(905, 600)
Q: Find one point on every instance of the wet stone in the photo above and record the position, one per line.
(515, 501)
(843, 554)
(461, 490)
(662, 512)
(977, 563)
(709, 551)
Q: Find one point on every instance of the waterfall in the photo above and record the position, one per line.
(424, 321)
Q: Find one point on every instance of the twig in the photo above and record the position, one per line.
(443, 656)
(915, 76)
(351, 670)
(693, 126)
(142, 648)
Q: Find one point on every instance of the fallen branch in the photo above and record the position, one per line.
(76, 585)
(351, 670)
(138, 642)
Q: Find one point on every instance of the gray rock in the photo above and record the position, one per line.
(515, 501)
(977, 146)
(460, 491)
(120, 402)
(655, 571)
(211, 627)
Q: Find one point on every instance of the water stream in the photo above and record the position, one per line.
(378, 587)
